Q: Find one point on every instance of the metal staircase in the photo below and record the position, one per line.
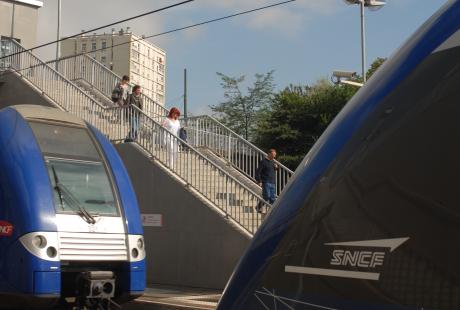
(219, 187)
(204, 132)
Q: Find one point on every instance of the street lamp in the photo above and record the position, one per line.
(373, 5)
(58, 48)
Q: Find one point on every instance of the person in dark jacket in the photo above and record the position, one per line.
(135, 99)
(266, 177)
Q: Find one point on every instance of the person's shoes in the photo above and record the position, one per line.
(128, 140)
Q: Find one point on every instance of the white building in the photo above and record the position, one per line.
(144, 62)
(18, 20)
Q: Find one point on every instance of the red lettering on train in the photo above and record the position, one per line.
(6, 229)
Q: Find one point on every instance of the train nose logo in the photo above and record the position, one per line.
(354, 255)
(6, 229)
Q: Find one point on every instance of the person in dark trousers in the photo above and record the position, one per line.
(266, 178)
(134, 99)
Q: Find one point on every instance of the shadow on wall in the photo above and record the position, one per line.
(15, 90)
(192, 245)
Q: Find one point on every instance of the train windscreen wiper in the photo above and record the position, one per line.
(65, 194)
(57, 188)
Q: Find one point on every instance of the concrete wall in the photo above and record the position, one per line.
(14, 90)
(195, 246)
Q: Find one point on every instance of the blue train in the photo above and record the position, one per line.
(70, 228)
(371, 218)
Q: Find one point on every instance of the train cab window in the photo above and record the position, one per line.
(81, 186)
(66, 141)
(78, 175)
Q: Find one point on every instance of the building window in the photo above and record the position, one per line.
(103, 59)
(83, 47)
(93, 46)
(136, 55)
(104, 44)
(161, 68)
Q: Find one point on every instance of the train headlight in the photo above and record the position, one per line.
(140, 243)
(39, 241)
(51, 252)
(42, 244)
(136, 248)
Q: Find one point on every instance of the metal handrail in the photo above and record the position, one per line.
(86, 68)
(206, 131)
(227, 193)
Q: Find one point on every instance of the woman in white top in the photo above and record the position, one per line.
(172, 124)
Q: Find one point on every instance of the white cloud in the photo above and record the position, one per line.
(286, 19)
(279, 20)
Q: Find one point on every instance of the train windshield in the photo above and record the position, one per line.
(81, 182)
(81, 187)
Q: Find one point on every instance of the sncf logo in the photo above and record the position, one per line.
(353, 259)
(6, 229)
(363, 259)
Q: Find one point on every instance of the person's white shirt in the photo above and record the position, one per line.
(171, 125)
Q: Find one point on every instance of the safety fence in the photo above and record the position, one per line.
(227, 193)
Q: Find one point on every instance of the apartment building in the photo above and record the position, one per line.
(18, 20)
(125, 54)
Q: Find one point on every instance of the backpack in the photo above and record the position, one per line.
(116, 93)
(183, 134)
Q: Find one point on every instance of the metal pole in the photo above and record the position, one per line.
(58, 33)
(12, 22)
(363, 43)
(185, 93)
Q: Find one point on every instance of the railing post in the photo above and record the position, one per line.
(92, 74)
(229, 145)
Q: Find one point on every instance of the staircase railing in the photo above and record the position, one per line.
(215, 184)
(95, 74)
(206, 131)
(203, 131)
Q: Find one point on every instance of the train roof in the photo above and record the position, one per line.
(37, 112)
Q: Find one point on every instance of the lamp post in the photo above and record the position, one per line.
(58, 48)
(372, 4)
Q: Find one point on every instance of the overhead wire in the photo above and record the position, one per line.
(166, 32)
(190, 26)
(101, 27)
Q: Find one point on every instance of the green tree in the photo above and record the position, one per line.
(300, 114)
(375, 65)
(239, 111)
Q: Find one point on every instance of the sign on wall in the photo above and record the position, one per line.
(152, 220)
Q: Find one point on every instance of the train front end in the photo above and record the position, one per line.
(69, 221)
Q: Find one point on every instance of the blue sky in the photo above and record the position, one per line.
(302, 41)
